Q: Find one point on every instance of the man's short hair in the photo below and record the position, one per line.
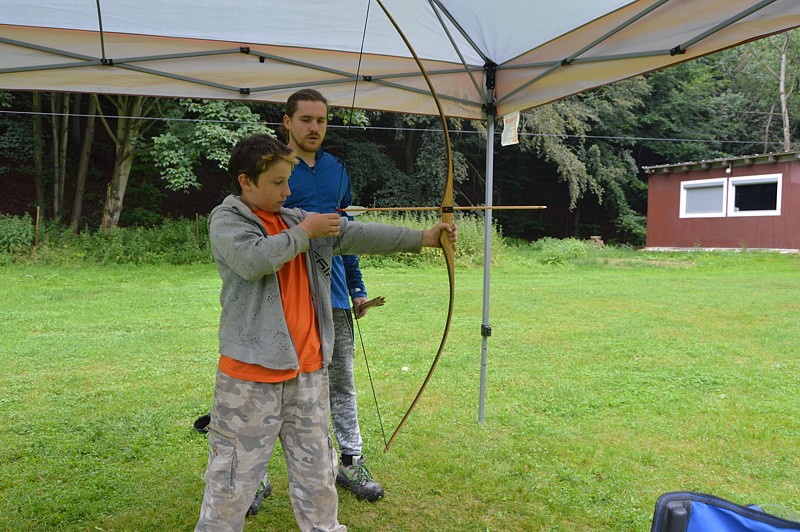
(304, 95)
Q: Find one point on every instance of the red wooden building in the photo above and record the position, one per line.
(736, 202)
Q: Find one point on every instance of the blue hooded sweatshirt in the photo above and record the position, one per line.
(325, 188)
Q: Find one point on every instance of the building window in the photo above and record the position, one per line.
(703, 198)
(755, 195)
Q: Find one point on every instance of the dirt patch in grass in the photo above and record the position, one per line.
(636, 263)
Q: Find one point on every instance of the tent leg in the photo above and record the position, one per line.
(486, 329)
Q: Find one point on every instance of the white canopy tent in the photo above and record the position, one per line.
(536, 50)
(485, 58)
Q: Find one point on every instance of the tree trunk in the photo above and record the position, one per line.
(38, 152)
(128, 125)
(75, 119)
(766, 129)
(56, 159)
(62, 154)
(410, 147)
(115, 193)
(83, 166)
(787, 133)
(59, 126)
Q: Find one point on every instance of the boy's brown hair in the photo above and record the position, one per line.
(254, 155)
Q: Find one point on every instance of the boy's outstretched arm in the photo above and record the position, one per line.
(430, 237)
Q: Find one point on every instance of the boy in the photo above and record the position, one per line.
(276, 337)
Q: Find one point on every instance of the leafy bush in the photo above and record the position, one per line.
(555, 251)
(633, 226)
(16, 234)
(184, 242)
(142, 203)
(172, 242)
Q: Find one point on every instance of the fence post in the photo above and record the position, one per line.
(36, 237)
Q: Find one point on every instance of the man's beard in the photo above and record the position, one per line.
(307, 145)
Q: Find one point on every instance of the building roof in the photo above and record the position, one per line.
(725, 162)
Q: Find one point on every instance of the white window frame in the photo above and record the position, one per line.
(704, 183)
(754, 180)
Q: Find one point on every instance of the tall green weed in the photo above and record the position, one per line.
(172, 242)
(555, 251)
(469, 249)
(16, 234)
(184, 242)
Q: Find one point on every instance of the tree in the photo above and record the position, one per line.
(602, 167)
(83, 164)
(400, 162)
(22, 142)
(693, 113)
(38, 150)
(131, 123)
(203, 129)
(59, 121)
(768, 77)
(724, 103)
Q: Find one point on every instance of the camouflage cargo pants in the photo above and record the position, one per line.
(246, 420)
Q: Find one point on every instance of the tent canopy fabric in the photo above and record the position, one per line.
(265, 50)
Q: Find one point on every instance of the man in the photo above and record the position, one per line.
(320, 183)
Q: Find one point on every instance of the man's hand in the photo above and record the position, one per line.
(358, 311)
(318, 225)
(361, 305)
(430, 237)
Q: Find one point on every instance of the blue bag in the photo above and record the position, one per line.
(686, 511)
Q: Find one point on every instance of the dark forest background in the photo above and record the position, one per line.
(93, 162)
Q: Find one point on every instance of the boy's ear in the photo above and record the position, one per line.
(244, 182)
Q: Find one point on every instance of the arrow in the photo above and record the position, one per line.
(355, 210)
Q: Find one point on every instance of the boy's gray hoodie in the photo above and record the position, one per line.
(252, 327)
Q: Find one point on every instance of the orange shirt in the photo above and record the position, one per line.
(298, 311)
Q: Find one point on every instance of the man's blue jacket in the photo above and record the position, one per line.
(325, 188)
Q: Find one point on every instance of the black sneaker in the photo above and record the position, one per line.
(201, 423)
(264, 491)
(357, 479)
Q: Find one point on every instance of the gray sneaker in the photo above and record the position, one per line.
(264, 491)
(357, 479)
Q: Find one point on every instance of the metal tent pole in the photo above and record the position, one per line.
(486, 329)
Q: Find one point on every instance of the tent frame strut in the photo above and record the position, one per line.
(490, 108)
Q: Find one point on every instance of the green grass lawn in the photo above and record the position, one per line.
(611, 379)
